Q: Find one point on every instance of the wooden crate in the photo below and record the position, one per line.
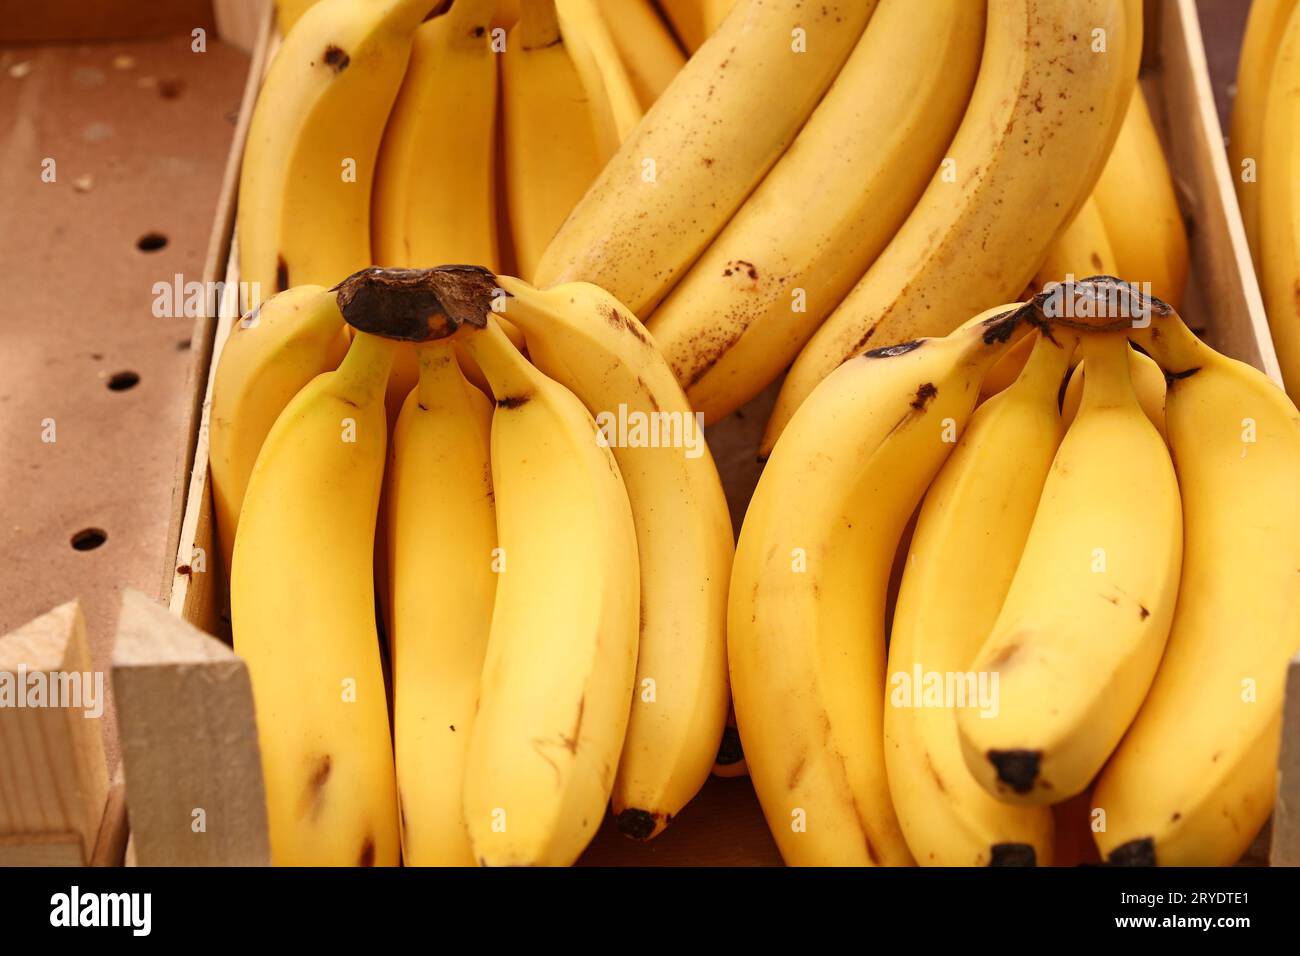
(724, 825)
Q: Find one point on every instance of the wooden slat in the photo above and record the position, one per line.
(189, 743)
(1236, 323)
(1286, 814)
(55, 777)
(240, 21)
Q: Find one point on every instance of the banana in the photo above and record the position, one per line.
(441, 536)
(1078, 638)
(1279, 206)
(702, 148)
(1148, 383)
(434, 192)
(988, 217)
(561, 659)
(506, 15)
(1139, 206)
(303, 612)
(289, 12)
(1265, 27)
(976, 515)
(730, 761)
(649, 52)
(738, 318)
(695, 20)
(304, 188)
(590, 41)
(270, 355)
(805, 641)
(1194, 779)
(1082, 249)
(552, 148)
(582, 337)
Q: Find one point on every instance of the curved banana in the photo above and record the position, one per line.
(1148, 383)
(738, 318)
(1082, 249)
(988, 217)
(1139, 206)
(304, 187)
(1079, 636)
(1265, 27)
(1195, 777)
(552, 144)
(590, 41)
(270, 355)
(302, 608)
(695, 20)
(1279, 206)
(435, 192)
(583, 338)
(805, 641)
(561, 659)
(441, 536)
(650, 54)
(976, 514)
(702, 148)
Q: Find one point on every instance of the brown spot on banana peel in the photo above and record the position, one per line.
(924, 395)
(417, 305)
(336, 58)
(571, 742)
(514, 401)
(367, 857)
(315, 794)
(626, 323)
(1018, 769)
(281, 274)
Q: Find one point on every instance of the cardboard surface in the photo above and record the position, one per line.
(139, 134)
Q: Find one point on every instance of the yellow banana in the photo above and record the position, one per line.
(968, 540)
(1082, 249)
(552, 148)
(303, 611)
(1139, 206)
(1265, 27)
(805, 641)
(589, 40)
(1279, 206)
(1195, 777)
(645, 43)
(582, 337)
(738, 318)
(441, 536)
(270, 355)
(1079, 636)
(304, 188)
(988, 217)
(561, 659)
(695, 20)
(702, 148)
(434, 192)
(1148, 383)
(289, 12)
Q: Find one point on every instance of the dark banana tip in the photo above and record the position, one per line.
(730, 750)
(636, 824)
(417, 305)
(1134, 853)
(1013, 854)
(1101, 288)
(1018, 769)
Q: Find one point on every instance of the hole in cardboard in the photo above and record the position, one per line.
(88, 539)
(121, 381)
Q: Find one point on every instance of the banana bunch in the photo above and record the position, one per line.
(1062, 605)
(557, 553)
